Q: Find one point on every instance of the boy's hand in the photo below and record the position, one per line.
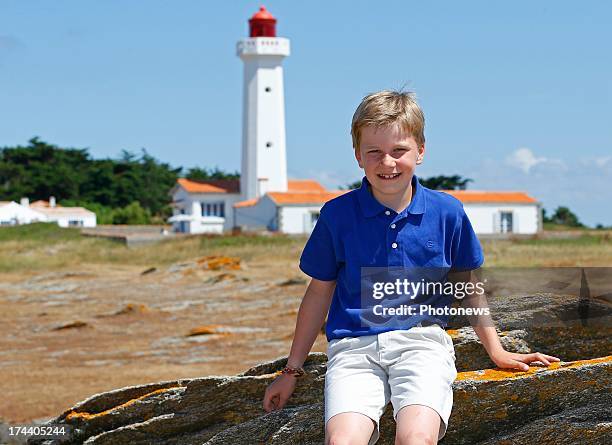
(512, 360)
(278, 392)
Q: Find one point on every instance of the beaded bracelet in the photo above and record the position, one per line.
(296, 372)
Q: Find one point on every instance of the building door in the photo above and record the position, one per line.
(505, 222)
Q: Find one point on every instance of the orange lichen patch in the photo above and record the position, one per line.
(88, 416)
(503, 374)
(454, 333)
(208, 330)
(491, 197)
(71, 325)
(213, 262)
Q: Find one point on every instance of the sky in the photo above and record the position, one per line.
(516, 95)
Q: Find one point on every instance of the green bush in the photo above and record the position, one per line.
(132, 214)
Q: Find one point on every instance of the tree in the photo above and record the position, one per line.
(40, 170)
(566, 217)
(197, 173)
(454, 182)
(351, 186)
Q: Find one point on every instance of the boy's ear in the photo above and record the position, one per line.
(358, 157)
(420, 154)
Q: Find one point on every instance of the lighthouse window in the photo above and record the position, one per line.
(268, 144)
(268, 89)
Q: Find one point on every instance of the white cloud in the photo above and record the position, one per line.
(524, 159)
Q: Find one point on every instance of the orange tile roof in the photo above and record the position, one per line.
(42, 203)
(475, 196)
(305, 197)
(247, 203)
(304, 185)
(210, 185)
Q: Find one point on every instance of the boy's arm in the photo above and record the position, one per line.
(485, 329)
(310, 318)
(311, 315)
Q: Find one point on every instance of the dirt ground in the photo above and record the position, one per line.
(72, 334)
(83, 316)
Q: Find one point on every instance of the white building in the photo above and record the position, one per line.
(263, 198)
(12, 214)
(65, 216)
(500, 212)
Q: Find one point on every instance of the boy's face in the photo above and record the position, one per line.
(389, 156)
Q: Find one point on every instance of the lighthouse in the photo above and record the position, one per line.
(264, 157)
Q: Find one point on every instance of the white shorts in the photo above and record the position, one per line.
(412, 366)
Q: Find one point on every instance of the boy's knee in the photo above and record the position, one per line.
(343, 438)
(338, 439)
(417, 438)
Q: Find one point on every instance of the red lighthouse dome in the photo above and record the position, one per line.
(262, 24)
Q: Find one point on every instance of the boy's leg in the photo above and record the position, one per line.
(349, 428)
(421, 377)
(356, 391)
(417, 424)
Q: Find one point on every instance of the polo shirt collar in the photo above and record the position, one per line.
(371, 207)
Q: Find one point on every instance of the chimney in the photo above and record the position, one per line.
(25, 202)
(52, 201)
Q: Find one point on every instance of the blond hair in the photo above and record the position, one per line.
(386, 108)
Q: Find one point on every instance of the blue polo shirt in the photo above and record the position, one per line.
(355, 231)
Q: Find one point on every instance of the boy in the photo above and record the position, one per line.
(391, 221)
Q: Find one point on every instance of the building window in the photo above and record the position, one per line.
(505, 222)
(75, 223)
(314, 217)
(213, 209)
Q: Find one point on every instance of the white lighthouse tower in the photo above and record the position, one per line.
(264, 158)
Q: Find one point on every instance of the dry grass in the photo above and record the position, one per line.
(46, 247)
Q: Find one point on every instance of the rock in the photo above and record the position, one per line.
(221, 277)
(223, 330)
(148, 271)
(548, 323)
(70, 325)
(470, 354)
(489, 405)
(129, 308)
(293, 282)
(588, 424)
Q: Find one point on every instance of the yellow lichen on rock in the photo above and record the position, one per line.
(501, 374)
(73, 415)
(214, 262)
(454, 333)
(208, 330)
